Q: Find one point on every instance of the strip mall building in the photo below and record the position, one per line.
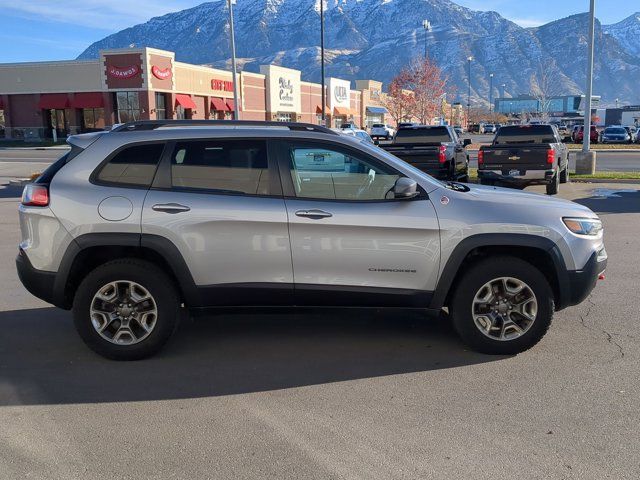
(67, 97)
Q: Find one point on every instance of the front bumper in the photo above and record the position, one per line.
(580, 283)
(38, 282)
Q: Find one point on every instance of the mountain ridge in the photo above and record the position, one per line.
(376, 38)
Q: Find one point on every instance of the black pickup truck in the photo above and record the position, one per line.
(435, 150)
(523, 155)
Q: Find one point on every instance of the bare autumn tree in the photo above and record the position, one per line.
(545, 84)
(399, 101)
(429, 87)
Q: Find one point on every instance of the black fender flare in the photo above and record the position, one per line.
(467, 245)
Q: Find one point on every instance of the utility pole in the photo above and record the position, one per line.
(586, 159)
(490, 93)
(469, 59)
(233, 61)
(324, 101)
(427, 28)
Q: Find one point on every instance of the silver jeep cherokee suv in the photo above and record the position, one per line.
(135, 223)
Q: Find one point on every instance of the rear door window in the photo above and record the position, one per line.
(221, 166)
(132, 166)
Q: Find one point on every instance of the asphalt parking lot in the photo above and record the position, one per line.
(337, 394)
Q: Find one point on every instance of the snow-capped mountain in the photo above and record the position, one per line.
(627, 33)
(376, 38)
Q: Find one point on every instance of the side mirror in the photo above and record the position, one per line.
(466, 142)
(405, 188)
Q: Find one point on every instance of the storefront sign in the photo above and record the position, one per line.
(222, 85)
(123, 72)
(283, 89)
(340, 93)
(374, 94)
(161, 73)
(286, 92)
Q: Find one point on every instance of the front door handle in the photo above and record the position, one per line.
(314, 214)
(170, 208)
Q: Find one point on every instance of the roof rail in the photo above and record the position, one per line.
(154, 124)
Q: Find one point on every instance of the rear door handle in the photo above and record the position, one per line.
(170, 208)
(314, 214)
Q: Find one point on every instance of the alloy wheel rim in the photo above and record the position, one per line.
(123, 312)
(504, 308)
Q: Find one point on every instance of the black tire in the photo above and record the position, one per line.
(554, 186)
(478, 275)
(147, 275)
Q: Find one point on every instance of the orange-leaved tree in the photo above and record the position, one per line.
(399, 101)
(429, 87)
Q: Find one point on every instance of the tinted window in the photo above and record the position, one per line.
(225, 166)
(423, 135)
(135, 165)
(337, 174)
(616, 131)
(526, 134)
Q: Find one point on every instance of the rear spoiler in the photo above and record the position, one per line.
(83, 140)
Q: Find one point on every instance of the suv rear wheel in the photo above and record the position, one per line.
(502, 305)
(126, 309)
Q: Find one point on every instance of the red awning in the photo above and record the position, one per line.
(230, 104)
(51, 101)
(88, 100)
(218, 104)
(319, 109)
(342, 111)
(185, 101)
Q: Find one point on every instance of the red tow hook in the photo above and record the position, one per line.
(601, 276)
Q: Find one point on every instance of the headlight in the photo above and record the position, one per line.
(583, 226)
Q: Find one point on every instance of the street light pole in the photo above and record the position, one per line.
(427, 28)
(490, 93)
(233, 61)
(324, 113)
(469, 59)
(587, 108)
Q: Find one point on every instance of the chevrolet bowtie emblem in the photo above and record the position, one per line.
(515, 157)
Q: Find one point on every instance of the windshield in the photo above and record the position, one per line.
(615, 131)
(525, 134)
(424, 135)
(377, 125)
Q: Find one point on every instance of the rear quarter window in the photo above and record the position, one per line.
(132, 166)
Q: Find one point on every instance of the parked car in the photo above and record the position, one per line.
(489, 128)
(616, 135)
(380, 130)
(133, 225)
(525, 155)
(435, 150)
(633, 133)
(579, 134)
(358, 133)
(348, 125)
(474, 128)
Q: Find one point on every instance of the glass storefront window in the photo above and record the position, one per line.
(128, 106)
(2, 124)
(161, 106)
(93, 118)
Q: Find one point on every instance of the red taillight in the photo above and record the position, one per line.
(35, 195)
(551, 156)
(442, 156)
(480, 157)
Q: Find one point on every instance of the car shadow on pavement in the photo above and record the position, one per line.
(10, 191)
(612, 201)
(43, 361)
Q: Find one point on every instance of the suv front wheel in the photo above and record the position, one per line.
(502, 305)
(126, 309)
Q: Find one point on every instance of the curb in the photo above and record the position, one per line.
(622, 181)
(19, 182)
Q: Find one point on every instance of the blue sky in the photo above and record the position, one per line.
(32, 30)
